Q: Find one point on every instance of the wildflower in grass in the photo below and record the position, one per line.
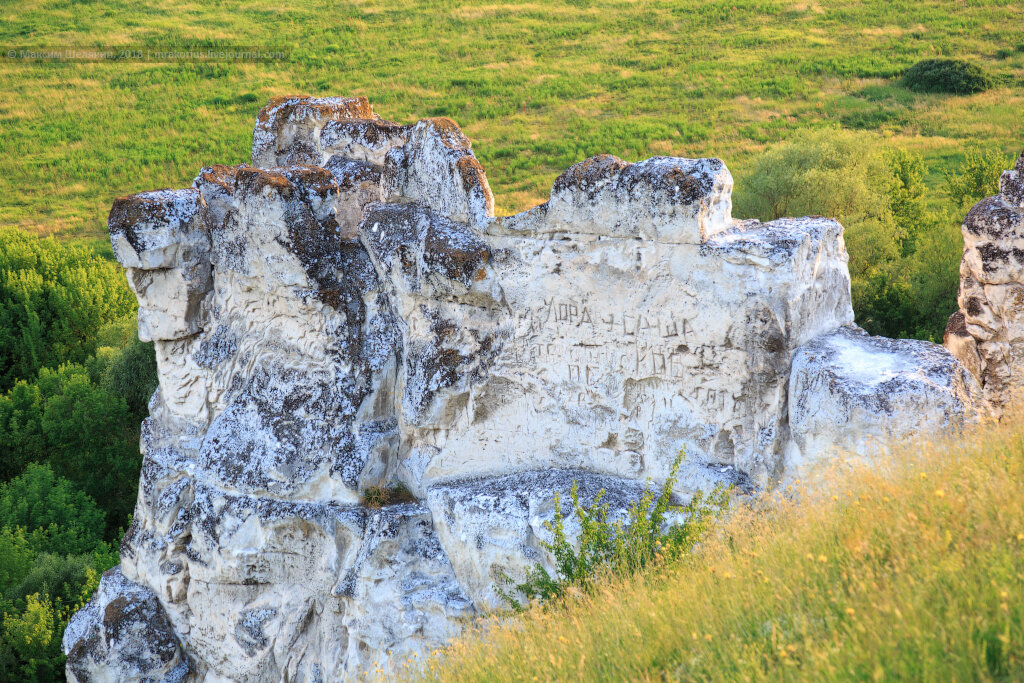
(939, 493)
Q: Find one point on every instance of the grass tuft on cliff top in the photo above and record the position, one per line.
(911, 573)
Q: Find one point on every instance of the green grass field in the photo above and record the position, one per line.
(537, 86)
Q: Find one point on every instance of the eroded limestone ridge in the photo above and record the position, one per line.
(346, 312)
(987, 333)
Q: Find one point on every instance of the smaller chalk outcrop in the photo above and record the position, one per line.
(851, 393)
(987, 334)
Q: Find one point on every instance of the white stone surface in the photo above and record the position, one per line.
(608, 355)
(348, 313)
(854, 394)
(123, 636)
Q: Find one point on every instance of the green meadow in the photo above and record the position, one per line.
(536, 86)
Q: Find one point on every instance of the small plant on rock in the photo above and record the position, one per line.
(379, 495)
(649, 535)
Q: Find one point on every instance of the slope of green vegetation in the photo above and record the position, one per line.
(537, 86)
(909, 573)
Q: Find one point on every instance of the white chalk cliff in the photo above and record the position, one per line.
(346, 312)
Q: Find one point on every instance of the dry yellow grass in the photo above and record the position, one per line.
(911, 570)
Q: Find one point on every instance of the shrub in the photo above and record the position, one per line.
(132, 375)
(16, 559)
(953, 76)
(905, 569)
(829, 172)
(613, 547)
(30, 639)
(84, 431)
(93, 441)
(904, 259)
(976, 178)
(61, 577)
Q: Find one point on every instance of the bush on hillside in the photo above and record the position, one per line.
(30, 638)
(56, 516)
(953, 76)
(129, 372)
(623, 549)
(83, 431)
(906, 568)
(16, 560)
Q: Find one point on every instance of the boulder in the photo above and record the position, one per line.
(854, 394)
(123, 635)
(287, 130)
(437, 167)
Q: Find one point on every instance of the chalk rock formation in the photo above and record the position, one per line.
(346, 313)
(987, 334)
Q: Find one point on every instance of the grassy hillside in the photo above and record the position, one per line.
(916, 573)
(537, 86)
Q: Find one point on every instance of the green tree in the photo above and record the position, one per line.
(844, 175)
(16, 560)
(84, 431)
(93, 441)
(60, 577)
(132, 375)
(57, 517)
(30, 648)
(54, 298)
(21, 428)
(30, 638)
(905, 195)
(904, 259)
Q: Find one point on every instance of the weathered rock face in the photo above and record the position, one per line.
(123, 634)
(347, 312)
(853, 393)
(987, 334)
